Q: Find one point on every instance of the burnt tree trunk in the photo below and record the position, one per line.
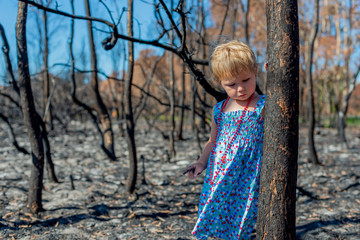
(182, 104)
(350, 83)
(203, 55)
(99, 105)
(47, 110)
(246, 20)
(246, 23)
(48, 158)
(49, 164)
(201, 41)
(233, 20)
(172, 96)
(344, 107)
(310, 86)
(48, 118)
(74, 98)
(130, 127)
(193, 104)
(29, 113)
(276, 213)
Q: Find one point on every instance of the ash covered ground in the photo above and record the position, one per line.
(90, 202)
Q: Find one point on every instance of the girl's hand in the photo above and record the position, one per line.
(195, 169)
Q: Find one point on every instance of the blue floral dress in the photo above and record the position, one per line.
(228, 207)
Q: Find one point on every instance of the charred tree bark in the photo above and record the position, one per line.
(48, 158)
(193, 105)
(99, 104)
(48, 112)
(246, 23)
(77, 101)
(182, 104)
(344, 107)
(233, 19)
(172, 96)
(48, 118)
(350, 82)
(202, 46)
(310, 86)
(246, 20)
(130, 127)
(276, 213)
(50, 168)
(29, 114)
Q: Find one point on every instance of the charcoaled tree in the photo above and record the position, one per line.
(44, 135)
(171, 94)
(48, 118)
(29, 114)
(348, 43)
(310, 86)
(276, 213)
(99, 105)
(129, 117)
(94, 117)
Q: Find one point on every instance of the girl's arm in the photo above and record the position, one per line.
(201, 164)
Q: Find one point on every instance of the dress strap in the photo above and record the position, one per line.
(260, 104)
(217, 109)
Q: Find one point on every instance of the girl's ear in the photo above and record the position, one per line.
(266, 64)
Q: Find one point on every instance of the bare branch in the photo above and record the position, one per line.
(108, 10)
(224, 19)
(121, 80)
(11, 100)
(110, 42)
(142, 103)
(122, 12)
(56, 11)
(171, 19)
(6, 50)
(160, 21)
(12, 135)
(179, 10)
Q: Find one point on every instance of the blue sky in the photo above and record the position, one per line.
(59, 27)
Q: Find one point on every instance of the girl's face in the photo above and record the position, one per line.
(241, 87)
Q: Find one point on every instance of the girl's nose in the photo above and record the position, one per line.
(241, 88)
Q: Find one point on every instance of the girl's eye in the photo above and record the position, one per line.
(246, 80)
(231, 85)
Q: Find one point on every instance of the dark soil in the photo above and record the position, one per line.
(165, 203)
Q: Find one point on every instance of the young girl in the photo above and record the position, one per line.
(232, 156)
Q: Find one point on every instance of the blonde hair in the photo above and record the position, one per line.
(230, 59)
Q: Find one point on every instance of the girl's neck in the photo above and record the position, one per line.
(241, 104)
(236, 105)
(244, 102)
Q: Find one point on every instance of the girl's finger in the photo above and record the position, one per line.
(189, 169)
(196, 172)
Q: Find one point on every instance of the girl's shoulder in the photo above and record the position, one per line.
(218, 105)
(262, 99)
(217, 109)
(260, 104)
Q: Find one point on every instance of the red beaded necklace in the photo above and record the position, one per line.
(239, 123)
